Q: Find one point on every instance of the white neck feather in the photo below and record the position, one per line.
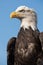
(26, 23)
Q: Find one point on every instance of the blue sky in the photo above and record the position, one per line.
(10, 27)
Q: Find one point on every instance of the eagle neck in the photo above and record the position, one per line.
(26, 23)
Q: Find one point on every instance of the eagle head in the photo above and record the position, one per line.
(27, 16)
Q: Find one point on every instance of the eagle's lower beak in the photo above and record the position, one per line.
(14, 15)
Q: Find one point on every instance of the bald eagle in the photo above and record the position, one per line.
(25, 49)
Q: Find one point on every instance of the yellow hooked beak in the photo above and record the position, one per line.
(15, 15)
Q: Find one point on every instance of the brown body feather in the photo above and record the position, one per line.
(40, 58)
(25, 49)
(41, 38)
(10, 51)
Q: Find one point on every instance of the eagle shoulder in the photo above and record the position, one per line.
(10, 51)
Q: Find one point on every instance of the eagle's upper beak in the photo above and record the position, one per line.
(15, 15)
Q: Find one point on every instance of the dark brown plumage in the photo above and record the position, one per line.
(10, 51)
(41, 38)
(19, 52)
(27, 47)
(40, 58)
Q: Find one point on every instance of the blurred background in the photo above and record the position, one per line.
(10, 27)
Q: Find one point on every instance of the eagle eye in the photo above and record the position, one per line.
(22, 11)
